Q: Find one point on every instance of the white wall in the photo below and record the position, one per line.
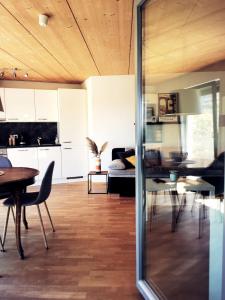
(111, 112)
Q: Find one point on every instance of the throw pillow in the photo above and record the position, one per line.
(124, 155)
(131, 160)
(117, 164)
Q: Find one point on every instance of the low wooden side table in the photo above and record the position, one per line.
(93, 173)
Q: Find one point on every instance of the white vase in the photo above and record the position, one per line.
(97, 164)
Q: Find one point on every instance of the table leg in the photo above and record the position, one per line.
(89, 183)
(107, 184)
(173, 195)
(18, 221)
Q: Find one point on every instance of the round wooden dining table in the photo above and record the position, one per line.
(15, 180)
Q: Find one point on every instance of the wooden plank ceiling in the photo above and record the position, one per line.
(183, 36)
(95, 37)
(83, 38)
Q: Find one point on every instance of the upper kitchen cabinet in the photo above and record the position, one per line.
(46, 105)
(2, 95)
(19, 105)
(72, 116)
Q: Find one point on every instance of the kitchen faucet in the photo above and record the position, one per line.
(39, 140)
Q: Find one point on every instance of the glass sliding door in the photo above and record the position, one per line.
(180, 150)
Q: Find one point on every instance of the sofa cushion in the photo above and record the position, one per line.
(117, 164)
(122, 173)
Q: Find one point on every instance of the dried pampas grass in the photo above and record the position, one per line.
(94, 148)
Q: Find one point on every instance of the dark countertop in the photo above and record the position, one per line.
(30, 146)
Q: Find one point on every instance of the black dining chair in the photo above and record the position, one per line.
(4, 163)
(35, 198)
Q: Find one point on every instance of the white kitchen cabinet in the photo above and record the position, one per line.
(72, 131)
(74, 161)
(19, 105)
(2, 95)
(45, 156)
(46, 105)
(23, 157)
(72, 116)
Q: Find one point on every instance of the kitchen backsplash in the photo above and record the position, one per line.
(28, 132)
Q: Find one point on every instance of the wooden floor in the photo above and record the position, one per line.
(178, 262)
(91, 255)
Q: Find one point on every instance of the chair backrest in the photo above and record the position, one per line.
(46, 185)
(5, 162)
(217, 181)
(152, 158)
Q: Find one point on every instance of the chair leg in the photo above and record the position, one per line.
(3, 250)
(200, 225)
(14, 218)
(50, 219)
(193, 203)
(24, 218)
(6, 227)
(154, 203)
(151, 210)
(42, 227)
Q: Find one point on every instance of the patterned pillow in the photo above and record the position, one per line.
(131, 160)
(117, 164)
(124, 155)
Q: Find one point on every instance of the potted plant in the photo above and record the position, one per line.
(96, 152)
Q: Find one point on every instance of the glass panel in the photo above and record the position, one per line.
(183, 143)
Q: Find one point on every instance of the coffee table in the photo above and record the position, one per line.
(93, 173)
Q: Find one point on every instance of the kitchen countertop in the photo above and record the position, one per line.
(30, 146)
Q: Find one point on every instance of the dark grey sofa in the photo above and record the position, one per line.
(121, 181)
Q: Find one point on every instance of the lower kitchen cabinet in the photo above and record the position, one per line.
(23, 157)
(74, 161)
(37, 158)
(45, 156)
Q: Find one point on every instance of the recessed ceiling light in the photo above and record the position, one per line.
(43, 20)
(14, 72)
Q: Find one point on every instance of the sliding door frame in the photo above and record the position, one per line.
(142, 285)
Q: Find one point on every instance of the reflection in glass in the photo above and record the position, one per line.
(183, 147)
